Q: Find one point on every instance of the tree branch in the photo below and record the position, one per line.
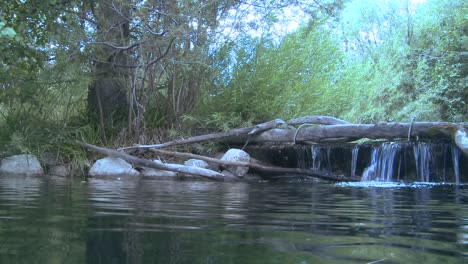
(216, 136)
(213, 175)
(258, 167)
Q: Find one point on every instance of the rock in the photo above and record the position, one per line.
(21, 164)
(237, 155)
(160, 174)
(230, 177)
(110, 166)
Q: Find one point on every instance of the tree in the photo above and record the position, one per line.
(107, 98)
(400, 62)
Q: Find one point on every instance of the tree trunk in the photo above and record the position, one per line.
(107, 93)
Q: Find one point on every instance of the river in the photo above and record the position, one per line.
(47, 220)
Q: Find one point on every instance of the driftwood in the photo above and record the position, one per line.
(258, 167)
(265, 126)
(351, 132)
(248, 131)
(319, 120)
(461, 140)
(335, 130)
(161, 166)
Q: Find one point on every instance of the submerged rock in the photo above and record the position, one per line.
(21, 164)
(236, 155)
(110, 166)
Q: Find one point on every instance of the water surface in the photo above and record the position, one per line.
(45, 220)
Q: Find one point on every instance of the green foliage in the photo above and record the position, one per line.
(381, 61)
(413, 67)
(269, 80)
(369, 62)
(439, 57)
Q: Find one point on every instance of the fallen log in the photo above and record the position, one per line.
(258, 167)
(213, 175)
(331, 133)
(461, 140)
(459, 136)
(247, 131)
(351, 132)
(319, 120)
(265, 126)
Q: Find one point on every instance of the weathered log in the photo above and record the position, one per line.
(319, 120)
(266, 132)
(350, 132)
(258, 167)
(247, 131)
(265, 126)
(161, 166)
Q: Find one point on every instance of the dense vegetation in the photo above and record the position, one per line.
(125, 71)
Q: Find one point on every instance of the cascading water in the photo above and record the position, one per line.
(456, 165)
(354, 159)
(439, 162)
(382, 164)
(320, 158)
(391, 159)
(423, 156)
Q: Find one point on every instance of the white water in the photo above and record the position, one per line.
(456, 166)
(320, 158)
(423, 157)
(382, 164)
(387, 161)
(354, 158)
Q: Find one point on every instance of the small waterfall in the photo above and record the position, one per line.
(320, 158)
(423, 157)
(382, 164)
(354, 158)
(456, 165)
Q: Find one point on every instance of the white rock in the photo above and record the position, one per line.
(237, 155)
(110, 166)
(21, 164)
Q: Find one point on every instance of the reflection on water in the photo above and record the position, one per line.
(58, 221)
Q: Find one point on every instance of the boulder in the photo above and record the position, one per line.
(230, 177)
(236, 155)
(21, 164)
(111, 166)
(160, 174)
